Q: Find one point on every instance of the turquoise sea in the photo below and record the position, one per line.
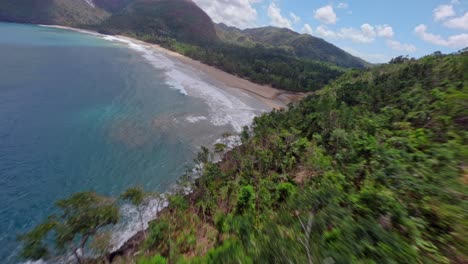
(84, 112)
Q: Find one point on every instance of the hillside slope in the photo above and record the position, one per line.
(112, 6)
(59, 12)
(301, 45)
(372, 169)
(179, 19)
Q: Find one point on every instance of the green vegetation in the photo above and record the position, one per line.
(112, 6)
(57, 12)
(175, 19)
(300, 45)
(136, 196)
(81, 219)
(372, 169)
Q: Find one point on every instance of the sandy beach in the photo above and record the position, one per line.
(274, 98)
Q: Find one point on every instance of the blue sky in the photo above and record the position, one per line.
(375, 30)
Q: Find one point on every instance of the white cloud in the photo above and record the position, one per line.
(274, 13)
(295, 18)
(458, 22)
(442, 12)
(325, 32)
(396, 45)
(385, 31)
(326, 15)
(307, 29)
(366, 33)
(239, 13)
(455, 41)
(342, 6)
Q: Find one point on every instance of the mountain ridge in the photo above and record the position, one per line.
(301, 45)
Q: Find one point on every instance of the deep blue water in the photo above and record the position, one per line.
(81, 113)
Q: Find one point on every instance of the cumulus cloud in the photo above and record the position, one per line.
(396, 45)
(239, 13)
(276, 18)
(295, 18)
(458, 22)
(326, 15)
(454, 41)
(366, 33)
(325, 32)
(307, 29)
(385, 31)
(442, 12)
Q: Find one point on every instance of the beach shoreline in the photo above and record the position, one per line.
(271, 97)
(267, 96)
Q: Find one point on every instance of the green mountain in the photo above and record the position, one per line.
(300, 45)
(182, 20)
(371, 169)
(57, 12)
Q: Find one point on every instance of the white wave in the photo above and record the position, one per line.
(195, 119)
(35, 262)
(225, 108)
(230, 141)
(131, 225)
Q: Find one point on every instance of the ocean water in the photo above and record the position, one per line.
(83, 112)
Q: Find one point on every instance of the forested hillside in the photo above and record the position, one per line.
(181, 20)
(299, 45)
(58, 12)
(371, 169)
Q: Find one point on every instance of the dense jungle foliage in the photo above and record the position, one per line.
(372, 169)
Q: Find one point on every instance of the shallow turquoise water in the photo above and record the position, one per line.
(81, 113)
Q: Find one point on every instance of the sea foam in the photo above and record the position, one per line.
(224, 105)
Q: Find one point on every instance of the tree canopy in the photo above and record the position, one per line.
(79, 219)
